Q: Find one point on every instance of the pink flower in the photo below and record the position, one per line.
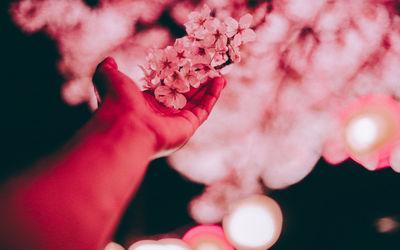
(170, 94)
(217, 37)
(171, 98)
(150, 78)
(234, 53)
(190, 76)
(200, 53)
(220, 57)
(152, 59)
(181, 47)
(240, 32)
(177, 82)
(205, 71)
(196, 26)
(166, 62)
(209, 46)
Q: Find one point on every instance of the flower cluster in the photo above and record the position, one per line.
(210, 45)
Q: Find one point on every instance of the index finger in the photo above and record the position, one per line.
(202, 110)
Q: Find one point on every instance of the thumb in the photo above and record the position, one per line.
(112, 84)
(101, 77)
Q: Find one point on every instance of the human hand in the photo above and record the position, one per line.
(121, 100)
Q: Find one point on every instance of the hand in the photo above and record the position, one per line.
(170, 128)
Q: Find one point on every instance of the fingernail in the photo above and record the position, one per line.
(108, 63)
(223, 81)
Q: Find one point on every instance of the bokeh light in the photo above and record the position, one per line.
(254, 223)
(164, 244)
(114, 246)
(371, 130)
(207, 237)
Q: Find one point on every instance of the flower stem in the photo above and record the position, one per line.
(228, 62)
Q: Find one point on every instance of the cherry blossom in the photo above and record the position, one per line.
(190, 76)
(196, 26)
(200, 53)
(170, 97)
(205, 71)
(175, 81)
(234, 54)
(166, 62)
(181, 47)
(217, 37)
(240, 31)
(209, 46)
(150, 78)
(220, 57)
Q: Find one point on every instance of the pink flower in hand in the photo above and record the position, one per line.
(220, 57)
(234, 54)
(196, 26)
(190, 76)
(200, 53)
(240, 32)
(150, 78)
(211, 44)
(217, 37)
(205, 71)
(166, 62)
(170, 94)
(181, 47)
(176, 81)
(171, 98)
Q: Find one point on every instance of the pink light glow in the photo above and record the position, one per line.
(254, 223)
(207, 237)
(163, 244)
(375, 122)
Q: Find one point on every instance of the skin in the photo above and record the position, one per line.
(75, 198)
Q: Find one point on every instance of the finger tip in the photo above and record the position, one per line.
(224, 82)
(220, 81)
(107, 63)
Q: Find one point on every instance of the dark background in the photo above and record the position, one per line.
(335, 207)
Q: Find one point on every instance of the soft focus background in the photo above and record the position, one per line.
(334, 207)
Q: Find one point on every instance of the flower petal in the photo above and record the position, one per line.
(182, 86)
(162, 91)
(248, 35)
(165, 95)
(206, 11)
(179, 101)
(245, 21)
(231, 26)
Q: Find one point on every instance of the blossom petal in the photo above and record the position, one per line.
(176, 81)
(182, 86)
(162, 91)
(245, 21)
(169, 98)
(248, 35)
(236, 41)
(179, 101)
(231, 26)
(206, 11)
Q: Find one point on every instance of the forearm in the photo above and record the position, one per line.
(75, 200)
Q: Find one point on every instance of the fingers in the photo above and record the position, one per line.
(109, 81)
(201, 108)
(196, 97)
(100, 78)
(156, 105)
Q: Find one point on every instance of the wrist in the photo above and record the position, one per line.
(132, 132)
